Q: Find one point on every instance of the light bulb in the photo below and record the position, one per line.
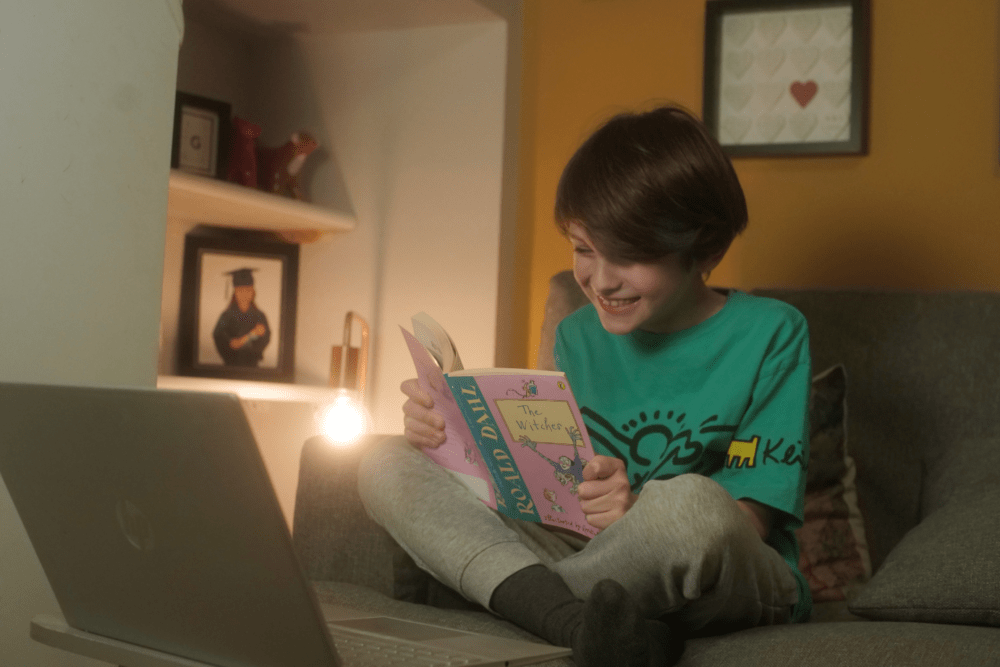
(344, 420)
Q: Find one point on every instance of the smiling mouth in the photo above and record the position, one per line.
(616, 306)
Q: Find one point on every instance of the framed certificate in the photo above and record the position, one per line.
(201, 135)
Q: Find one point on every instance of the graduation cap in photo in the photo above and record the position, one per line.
(239, 278)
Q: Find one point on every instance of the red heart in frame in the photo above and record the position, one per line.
(804, 92)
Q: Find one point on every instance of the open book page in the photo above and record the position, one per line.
(540, 422)
(459, 452)
(479, 372)
(437, 341)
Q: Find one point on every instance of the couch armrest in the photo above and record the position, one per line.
(337, 541)
(332, 534)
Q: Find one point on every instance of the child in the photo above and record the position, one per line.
(696, 403)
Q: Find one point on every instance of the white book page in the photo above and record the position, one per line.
(437, 341)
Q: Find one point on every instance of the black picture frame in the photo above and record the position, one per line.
(208, 300)
(202, 128)
(787, 77)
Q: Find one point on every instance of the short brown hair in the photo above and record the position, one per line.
(647, 185)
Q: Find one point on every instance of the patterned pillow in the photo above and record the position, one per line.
(833, 551)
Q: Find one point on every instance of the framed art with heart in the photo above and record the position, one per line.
(787, 77)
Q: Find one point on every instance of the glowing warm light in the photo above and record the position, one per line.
(344, 420)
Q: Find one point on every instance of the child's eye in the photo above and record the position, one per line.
(581, 250)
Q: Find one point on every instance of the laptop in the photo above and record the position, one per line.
(157, 526)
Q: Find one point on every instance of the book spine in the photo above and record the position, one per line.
(511, 492)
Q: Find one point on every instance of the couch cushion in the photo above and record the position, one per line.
(923, 375)
(863, 644)
(336, 540)
(333, 535)
(971, 464)
(946, 570)
(833, 549)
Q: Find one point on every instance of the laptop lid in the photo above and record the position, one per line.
(156, 524)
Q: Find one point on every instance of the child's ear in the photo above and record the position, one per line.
(707, 265)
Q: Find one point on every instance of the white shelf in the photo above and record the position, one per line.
(251, 391)
(199, 200)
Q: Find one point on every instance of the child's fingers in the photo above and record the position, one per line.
(420, 434)
(605, 494)
(417, 412)
(602, 467)
(607, 478)
(422, 426)
(416, 393)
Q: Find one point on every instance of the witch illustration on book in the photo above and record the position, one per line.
(567, 471)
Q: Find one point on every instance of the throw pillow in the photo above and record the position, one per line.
(961, 468)
(833, 553)
(945, 570)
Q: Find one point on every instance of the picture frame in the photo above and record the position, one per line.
(201, 135)
(787, 77)
(224, 334)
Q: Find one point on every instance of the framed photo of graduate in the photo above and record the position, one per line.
(238, 304)
(787, 77)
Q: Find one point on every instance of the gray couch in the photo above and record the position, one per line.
(923, 428)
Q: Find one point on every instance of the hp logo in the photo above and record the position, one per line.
(135, 526)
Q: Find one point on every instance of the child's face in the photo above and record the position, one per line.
(660, 297)
(244, 296)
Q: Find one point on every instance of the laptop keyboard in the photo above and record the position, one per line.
(364, 651)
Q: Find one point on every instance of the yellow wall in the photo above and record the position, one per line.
(920, 211)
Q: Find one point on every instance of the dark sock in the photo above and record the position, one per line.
(538, 600)
(613, 633)
(605, 631)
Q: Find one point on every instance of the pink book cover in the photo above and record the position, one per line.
(541, 424)
(459, 452)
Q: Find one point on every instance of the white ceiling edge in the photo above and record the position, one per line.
(275, 18)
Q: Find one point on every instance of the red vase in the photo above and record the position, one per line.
(243, 153)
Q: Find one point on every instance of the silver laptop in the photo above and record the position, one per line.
(157, 526)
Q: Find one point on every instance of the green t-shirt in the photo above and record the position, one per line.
(727, 398)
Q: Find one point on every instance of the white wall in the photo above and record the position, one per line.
(411, 126)
(415, 120)
(85, 121)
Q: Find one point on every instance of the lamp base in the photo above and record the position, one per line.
(350, 380)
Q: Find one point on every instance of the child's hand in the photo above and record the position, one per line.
(422, 426)
(605, 494)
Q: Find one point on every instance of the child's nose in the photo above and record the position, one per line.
(604, 278)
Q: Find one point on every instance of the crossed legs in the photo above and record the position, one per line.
(684, 551)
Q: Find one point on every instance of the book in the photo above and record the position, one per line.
(515, 437)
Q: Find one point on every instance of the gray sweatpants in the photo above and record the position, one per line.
(684, 549)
